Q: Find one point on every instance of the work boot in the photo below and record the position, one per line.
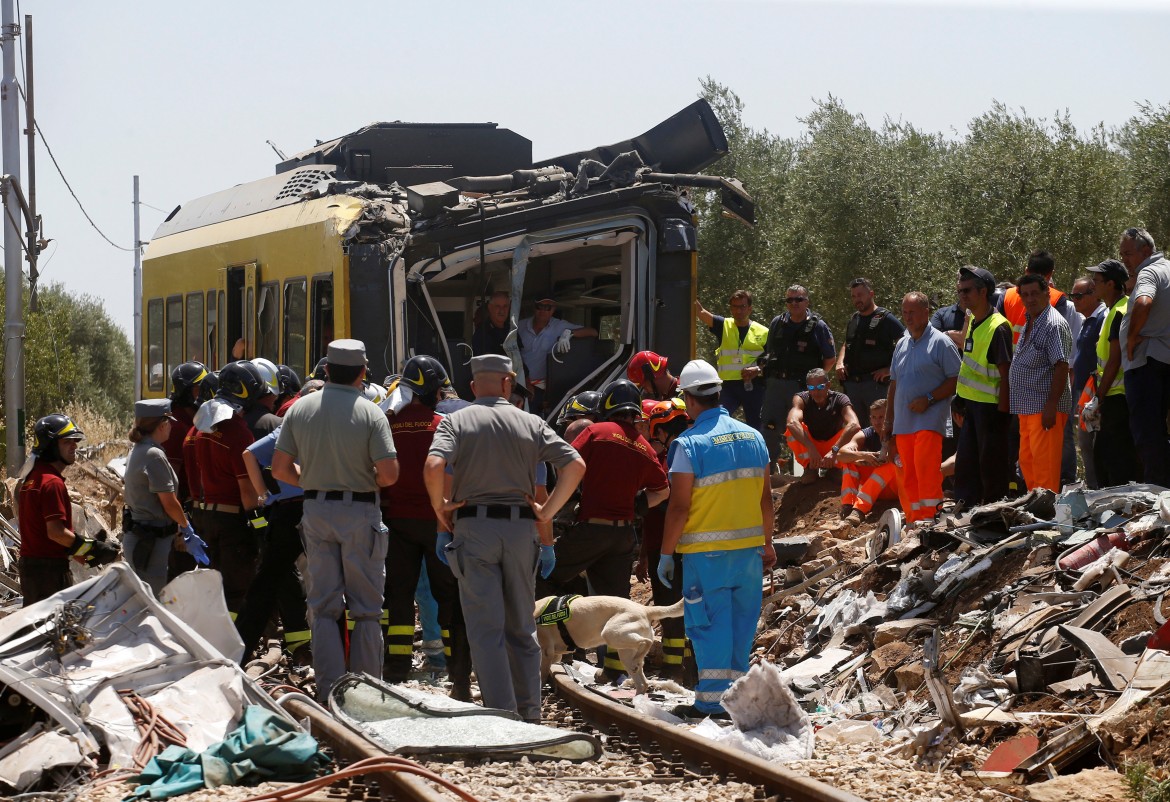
(846, 509)
(854, 518)
(460, 692)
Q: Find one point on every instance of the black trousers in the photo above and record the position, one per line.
(673, 631)
(985, 461)
(277, 585)
(604, 553)
(41, 577)
(1114, 452)
(233, 549)
(412, 544)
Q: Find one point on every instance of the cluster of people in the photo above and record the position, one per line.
(991, 396)
(327, 503)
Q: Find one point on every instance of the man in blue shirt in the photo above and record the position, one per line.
(1085, 299)
(924, 372)
(539, 336)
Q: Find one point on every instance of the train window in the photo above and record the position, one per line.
(221, 315)
(154, 343)
(250, 322)
(322, 315)
(211, 333)
(267, 329)
(195, 327)
(174, 333)
(295, 320)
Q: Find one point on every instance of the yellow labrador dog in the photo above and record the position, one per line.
(567, 623)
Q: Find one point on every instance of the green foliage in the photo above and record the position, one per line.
(907, 208)
(75, 355)
(1143, 785)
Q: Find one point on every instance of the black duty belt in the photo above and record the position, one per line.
(154, 530)
(341, 495)
(606, 522)
(505, 512)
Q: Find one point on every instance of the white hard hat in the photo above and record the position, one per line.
(699, 378)
(374, 392)
(268, 373)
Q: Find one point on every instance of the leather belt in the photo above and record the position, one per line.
(368, 497)
(505, 512)
(232, 508)
(290, 500)
(607, 522)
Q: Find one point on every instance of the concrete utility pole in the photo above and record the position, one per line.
(137, 296)
(13, 249)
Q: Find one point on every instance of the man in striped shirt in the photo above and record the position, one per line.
(1040, 394)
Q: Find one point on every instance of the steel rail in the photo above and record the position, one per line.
(698, 752)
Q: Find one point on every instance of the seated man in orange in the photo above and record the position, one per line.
(820, 423)
(866, 475)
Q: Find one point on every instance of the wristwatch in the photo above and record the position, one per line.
(930, 399)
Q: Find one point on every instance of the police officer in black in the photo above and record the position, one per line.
(863, 365)
(798, 341)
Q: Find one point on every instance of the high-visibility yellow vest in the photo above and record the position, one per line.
(978, 378)
(1119, 308)
(733, 356)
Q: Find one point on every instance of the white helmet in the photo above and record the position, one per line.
(269, 374)
(699, 378)
(374, 392)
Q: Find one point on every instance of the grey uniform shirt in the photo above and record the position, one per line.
(148, 471)
(336, 435)
(493, 449)
(1153, 282)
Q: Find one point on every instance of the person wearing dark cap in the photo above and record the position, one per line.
(45, 514)
(985, 460)
(488, 527)
(337, 446)
(151, 497)
(1114, 451)
(541, 335)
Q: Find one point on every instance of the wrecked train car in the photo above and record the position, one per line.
(398, 233)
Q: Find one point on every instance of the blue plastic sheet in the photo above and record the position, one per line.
(264, 747)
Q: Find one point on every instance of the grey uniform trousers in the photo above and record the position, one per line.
(494, 561)
(345, 551)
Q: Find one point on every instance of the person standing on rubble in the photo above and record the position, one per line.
(798, 341)
(984, 461)
(488, 521)
(923, 373)
(337, 446)
(152, 506)
(45, 514)
(1114, 452)
(407, 513)
(741, 344)
(1040, 394)
(720, 520)
(1145, 352)
(863, 364)
(1084, 296)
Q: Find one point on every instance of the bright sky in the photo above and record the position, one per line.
(185, 94)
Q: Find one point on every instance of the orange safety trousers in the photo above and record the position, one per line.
(1040, 451)
(922, 479)
(862, 485)
(800, 451)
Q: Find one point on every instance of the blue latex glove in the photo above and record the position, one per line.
(441, 543)
(195, 545)
(548, 561)
(666, 569)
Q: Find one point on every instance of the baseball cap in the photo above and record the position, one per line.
(979, 274)
(1111, 269)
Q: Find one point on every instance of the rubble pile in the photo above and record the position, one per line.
(1010, 644)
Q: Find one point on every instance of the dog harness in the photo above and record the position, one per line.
(557, 612)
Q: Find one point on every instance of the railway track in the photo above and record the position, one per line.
(677, 755)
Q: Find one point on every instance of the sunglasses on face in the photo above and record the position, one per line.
(795, 300)
(1076, 296)
(816, 386)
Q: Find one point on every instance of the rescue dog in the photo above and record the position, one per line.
(622, 625)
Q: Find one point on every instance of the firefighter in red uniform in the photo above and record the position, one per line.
(602, 542)
(407, 513)
(186, 385)
(667, 420)
(45, 514)
(649, 372)
(229, 499)
(290, 389)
